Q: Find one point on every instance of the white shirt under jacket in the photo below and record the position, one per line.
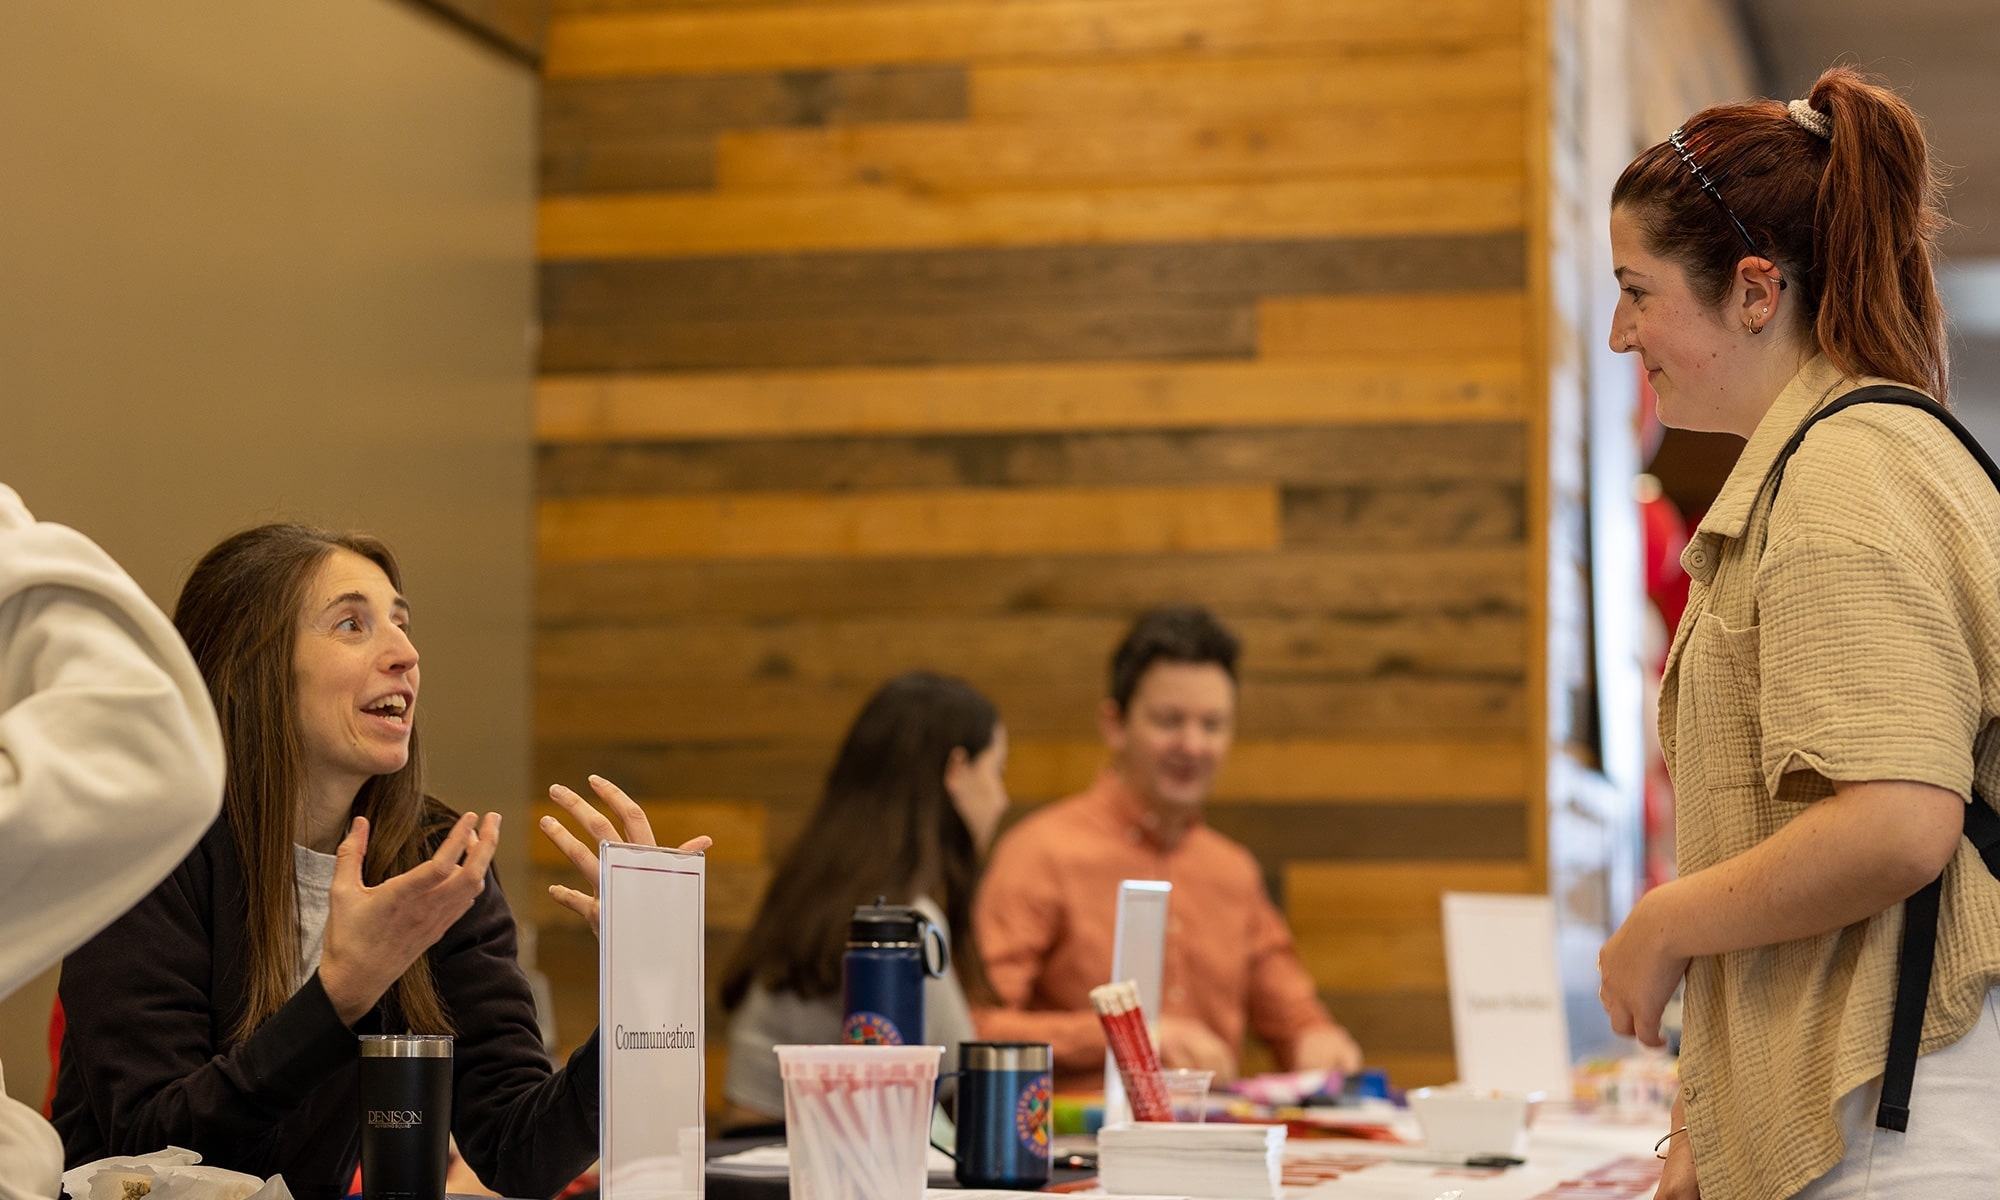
(110, 770)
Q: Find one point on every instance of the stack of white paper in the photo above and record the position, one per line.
(1231, 1162)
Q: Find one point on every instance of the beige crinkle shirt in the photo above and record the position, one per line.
(1851, 631)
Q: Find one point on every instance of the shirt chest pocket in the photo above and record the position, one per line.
(1720, 730)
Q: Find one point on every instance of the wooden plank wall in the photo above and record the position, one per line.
(881, 334)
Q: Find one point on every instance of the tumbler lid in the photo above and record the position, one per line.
(406, 1045)
(1006, 1056)
(883, 923)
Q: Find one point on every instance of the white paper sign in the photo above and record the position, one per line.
(1138, 953)
(650, 987)
(1506, 995)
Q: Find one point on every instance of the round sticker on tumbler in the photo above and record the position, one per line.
(872, 1029)
(1031, 1115)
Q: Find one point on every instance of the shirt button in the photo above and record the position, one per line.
(1672, 741)
(1697, 558)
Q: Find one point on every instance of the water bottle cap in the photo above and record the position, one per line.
(881, 922)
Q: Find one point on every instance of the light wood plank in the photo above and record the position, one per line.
(734, 890)
(836, 34)
(1414, 1069)
(901, 524)
(785, 773)
(1340, 327)
(1324, 896)
(1489, 72)
(736, 825)
(667, 224)
(999, 155)
(1309, 770)
(1376, 956)
(1014, 399)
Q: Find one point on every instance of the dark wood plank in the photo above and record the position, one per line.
(1276, 833)
(1436, 514)
(1355, 455)
(1403, 706)
(1017, 279)
(1138, 331)
(1480, 579)
(1395, 1021)
(649, 134)
(1048, 647)
(517, 28)
(660, 162)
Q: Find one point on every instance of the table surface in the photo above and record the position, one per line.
(1570, 1154)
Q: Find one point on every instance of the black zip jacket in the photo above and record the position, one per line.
(146, 1061)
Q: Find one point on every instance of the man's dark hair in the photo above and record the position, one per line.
(1177, 633)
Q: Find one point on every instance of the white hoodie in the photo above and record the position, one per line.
(111, 769)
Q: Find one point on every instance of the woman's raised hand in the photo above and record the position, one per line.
(637, 830)
(373, 934)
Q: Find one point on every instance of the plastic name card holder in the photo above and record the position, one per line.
(1507, 1020)
(1138, 953)
(650, 985)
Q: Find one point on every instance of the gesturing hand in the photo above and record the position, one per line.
(1326, 1048)
(638, 831)
(1186, 1042)
(373, 934)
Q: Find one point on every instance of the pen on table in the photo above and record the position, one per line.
(1475, 1161)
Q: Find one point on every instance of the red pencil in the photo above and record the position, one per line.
(1117, 1006)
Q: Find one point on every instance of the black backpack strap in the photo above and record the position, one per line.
(1982, 823)
(1913, 970)
(1913, 985)
(1887, 393)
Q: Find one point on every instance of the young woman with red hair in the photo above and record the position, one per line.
(1829, 702)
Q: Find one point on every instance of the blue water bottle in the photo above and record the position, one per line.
(891, 949)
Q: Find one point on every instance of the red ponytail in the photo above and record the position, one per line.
(1851, 222)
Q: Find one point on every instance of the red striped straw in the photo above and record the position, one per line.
(1117, 1006)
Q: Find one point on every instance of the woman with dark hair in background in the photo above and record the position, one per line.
(911, 804)
(333, 898)
(1830, 696)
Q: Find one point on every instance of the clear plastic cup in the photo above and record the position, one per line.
(858, 1120)
(1187, 1092)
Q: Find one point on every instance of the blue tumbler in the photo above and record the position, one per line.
(891, 950)
(1006, 1115)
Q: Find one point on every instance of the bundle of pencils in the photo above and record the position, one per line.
(1117, 1006)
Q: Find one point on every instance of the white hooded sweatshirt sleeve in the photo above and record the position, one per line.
(111, 769)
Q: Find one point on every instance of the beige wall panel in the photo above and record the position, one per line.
(275, 261)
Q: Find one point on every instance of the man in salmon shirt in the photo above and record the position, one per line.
(1046, 911)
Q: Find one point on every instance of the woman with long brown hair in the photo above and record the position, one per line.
(1830, 699)
(333, 898)
(912, 802)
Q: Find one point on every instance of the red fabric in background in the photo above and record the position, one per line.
(55, 1057)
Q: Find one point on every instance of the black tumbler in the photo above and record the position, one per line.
(405, 1115)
